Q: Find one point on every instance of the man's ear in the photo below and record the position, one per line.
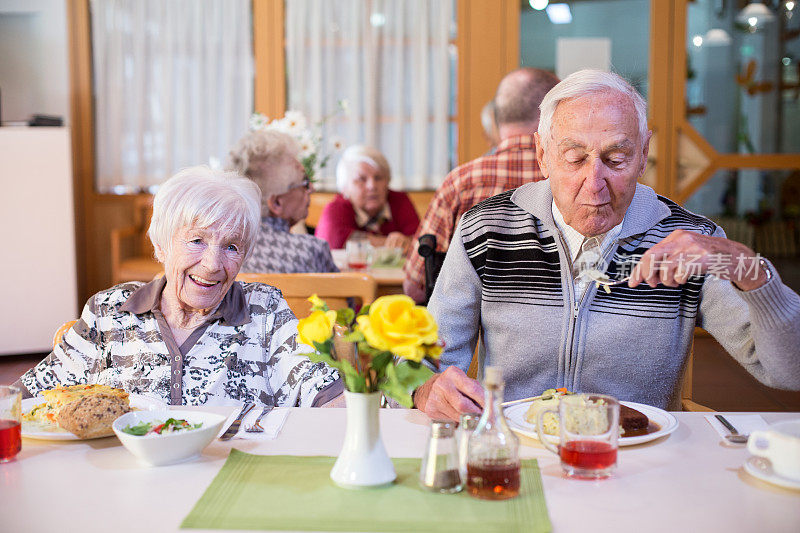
(540, 155)
(645, 151)
(275, 205)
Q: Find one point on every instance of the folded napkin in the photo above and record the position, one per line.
(295, 493)
(272, 423)
(744, 424)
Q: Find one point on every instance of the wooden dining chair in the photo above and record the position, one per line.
(687, 403)
(61, 331)
(334, 287)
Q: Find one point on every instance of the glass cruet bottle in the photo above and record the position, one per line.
(493, 466)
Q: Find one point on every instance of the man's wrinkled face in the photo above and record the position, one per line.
(593, 159)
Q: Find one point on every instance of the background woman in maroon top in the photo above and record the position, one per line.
(366, 204)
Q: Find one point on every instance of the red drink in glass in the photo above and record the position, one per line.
(10, 439)
(356, 266)
(585, 456)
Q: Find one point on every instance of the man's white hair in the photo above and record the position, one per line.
(202, 197)
(583, 83)
(359, 153)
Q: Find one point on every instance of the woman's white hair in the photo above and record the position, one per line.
(355, 154)
(202, 197)
(266, 157)
(583, 83)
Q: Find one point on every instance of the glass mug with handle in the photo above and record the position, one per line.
(588, 429)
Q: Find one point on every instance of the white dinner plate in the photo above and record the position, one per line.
(37, 430)
(515, 415)
(761, 468)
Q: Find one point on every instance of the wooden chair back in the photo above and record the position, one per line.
(687, 403)
(335, 288)
(60, 332)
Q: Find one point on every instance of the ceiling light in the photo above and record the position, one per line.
(717, 37)
(697, 41)
(538, 5)
(755, 15)
(559, 13)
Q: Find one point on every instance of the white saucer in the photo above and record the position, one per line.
(762, 469)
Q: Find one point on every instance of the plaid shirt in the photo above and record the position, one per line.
(512, 165)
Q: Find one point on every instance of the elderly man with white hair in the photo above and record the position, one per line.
(195, 335)
(366, 204)
(520, 266)
(272, 160)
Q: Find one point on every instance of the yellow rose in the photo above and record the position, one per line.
(316, 327)
(316, 302)
(396, 324)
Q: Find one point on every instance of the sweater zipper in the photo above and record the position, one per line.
(577, 304)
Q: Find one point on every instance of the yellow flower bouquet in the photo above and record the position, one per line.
(381, 349)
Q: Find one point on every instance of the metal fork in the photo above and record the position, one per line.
(256, 427)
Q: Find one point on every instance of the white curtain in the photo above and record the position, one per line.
(173, 82)
(392, 61)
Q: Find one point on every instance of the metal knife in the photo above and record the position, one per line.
(234, 427)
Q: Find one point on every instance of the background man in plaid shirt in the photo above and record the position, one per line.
(513, 164)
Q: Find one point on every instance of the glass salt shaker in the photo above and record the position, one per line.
(439, 471)
(493, 466)
(469, 421)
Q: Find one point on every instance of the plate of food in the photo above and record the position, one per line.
(79, 412)
(639, 422)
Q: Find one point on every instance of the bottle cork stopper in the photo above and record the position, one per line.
(493, 375)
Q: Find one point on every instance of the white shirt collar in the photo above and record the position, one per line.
(574, 239)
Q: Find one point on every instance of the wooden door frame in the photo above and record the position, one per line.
(667, 99)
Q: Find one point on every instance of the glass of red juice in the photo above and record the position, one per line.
(10, 429)
(359, 253)
(588, 432)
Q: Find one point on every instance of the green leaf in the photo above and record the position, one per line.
(364, 310)
(411, 377)
(355, 336)
(319, 357)
(139, 429)
(380, 361)
(354, 382)
(345, 316)
(324, 347)
(392, 387)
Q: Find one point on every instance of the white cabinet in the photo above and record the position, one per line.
(37, 270)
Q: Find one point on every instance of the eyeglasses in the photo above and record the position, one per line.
(305, 184)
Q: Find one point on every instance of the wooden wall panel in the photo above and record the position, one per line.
(488, 48)
(270, 58)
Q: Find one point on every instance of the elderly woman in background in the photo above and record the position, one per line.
(366, 203)
(194, 336)
(271, 159)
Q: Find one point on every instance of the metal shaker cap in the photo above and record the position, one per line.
(442, 429)
(469, 421)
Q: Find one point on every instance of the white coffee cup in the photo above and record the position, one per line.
(780, 443)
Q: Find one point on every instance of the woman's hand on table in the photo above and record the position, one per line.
(449, 394)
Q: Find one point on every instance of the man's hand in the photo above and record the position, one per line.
(397, 240)
(449, 394)
(684, 253)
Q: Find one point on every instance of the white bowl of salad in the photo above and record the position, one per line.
(166, 436)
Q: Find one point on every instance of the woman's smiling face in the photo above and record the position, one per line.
(201, 266)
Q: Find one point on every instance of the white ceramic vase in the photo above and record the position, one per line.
(363, 462)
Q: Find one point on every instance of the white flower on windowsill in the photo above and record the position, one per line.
(296, 124)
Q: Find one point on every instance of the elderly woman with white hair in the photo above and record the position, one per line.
(366, 204)
(195, 335)
(272, 160)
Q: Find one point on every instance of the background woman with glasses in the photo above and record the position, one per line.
(271, 160)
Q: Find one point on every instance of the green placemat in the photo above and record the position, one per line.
(289, 492)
